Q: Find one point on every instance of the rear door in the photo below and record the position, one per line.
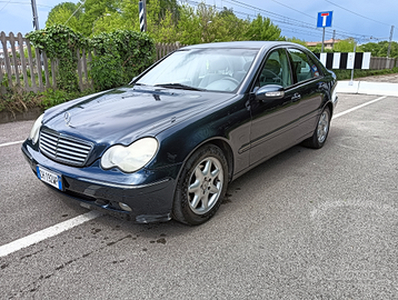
(308, 82)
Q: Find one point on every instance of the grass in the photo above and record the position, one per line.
(15, 101)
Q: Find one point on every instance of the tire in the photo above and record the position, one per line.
(201, 186)
(321, 132)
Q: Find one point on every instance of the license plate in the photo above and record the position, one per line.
(49, 177)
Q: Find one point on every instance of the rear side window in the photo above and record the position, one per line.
(304, 68)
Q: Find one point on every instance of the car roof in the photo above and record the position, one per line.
(240, 45)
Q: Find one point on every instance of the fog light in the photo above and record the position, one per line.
(124, 206)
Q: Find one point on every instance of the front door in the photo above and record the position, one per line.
(272, 119)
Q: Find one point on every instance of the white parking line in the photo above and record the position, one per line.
(358, 107)
(10, 144)
(47, 233)
(69, 224)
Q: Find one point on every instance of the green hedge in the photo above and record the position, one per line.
(119, 56)
(346, 74)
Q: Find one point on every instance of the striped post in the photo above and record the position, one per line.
(142, 15)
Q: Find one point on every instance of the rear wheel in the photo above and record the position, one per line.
(321, 132)
(201, 186)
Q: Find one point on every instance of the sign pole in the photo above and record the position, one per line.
(351, 83)
(323, 39)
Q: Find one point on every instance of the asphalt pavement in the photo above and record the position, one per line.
(307, 224)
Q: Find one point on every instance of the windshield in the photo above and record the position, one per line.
(220, 70)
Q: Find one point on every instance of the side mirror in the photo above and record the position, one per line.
(270, 92)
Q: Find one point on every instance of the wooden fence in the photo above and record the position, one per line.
(28, 69)
(24, 67)
(163, 49)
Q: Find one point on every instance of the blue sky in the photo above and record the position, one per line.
(365, 20)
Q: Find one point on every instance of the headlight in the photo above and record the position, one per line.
(34, 133)
(131, 158)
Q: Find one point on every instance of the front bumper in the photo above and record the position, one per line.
(145, 196)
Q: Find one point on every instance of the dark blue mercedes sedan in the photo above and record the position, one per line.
(167, 145)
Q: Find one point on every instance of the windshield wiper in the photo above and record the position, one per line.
(178, 86)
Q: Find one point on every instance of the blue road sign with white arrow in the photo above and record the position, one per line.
(325, 19)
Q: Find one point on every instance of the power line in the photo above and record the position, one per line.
(276, 18)
(5, 5)
(356, 13)
(286, 24)
(25, 3)
(75, 12)
(303, 13)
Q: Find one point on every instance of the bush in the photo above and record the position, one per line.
(106, 72)
(14, 100)
(346, 74)
(120, 56)
(61, 42)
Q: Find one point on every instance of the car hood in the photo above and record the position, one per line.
(122, 115)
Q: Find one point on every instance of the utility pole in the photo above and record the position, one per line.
(389, 45)
(35, 16)
(334, 37)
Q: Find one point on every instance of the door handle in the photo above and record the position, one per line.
(296, 97)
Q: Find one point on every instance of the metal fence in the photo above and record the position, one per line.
(26, 68)
(380, 63)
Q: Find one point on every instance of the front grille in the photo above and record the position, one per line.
(64, 149)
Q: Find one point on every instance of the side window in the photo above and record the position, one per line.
(316, 70)
(303, 67)
(275, 70)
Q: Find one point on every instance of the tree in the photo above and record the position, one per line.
(108, 22)
(262, 29)
(167, 21)
(166, 31)
(297, 41)
(235, 27)
(205, 25)
(380, 49)
(345, 46)
(374, 48)
(62, 12)
(93, 10)
(384, 49)
(166, 7)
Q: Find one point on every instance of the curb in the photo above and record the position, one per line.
(6, 116)
(367, 87)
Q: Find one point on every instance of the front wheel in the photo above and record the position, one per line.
(201, 186)
(321, 132)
